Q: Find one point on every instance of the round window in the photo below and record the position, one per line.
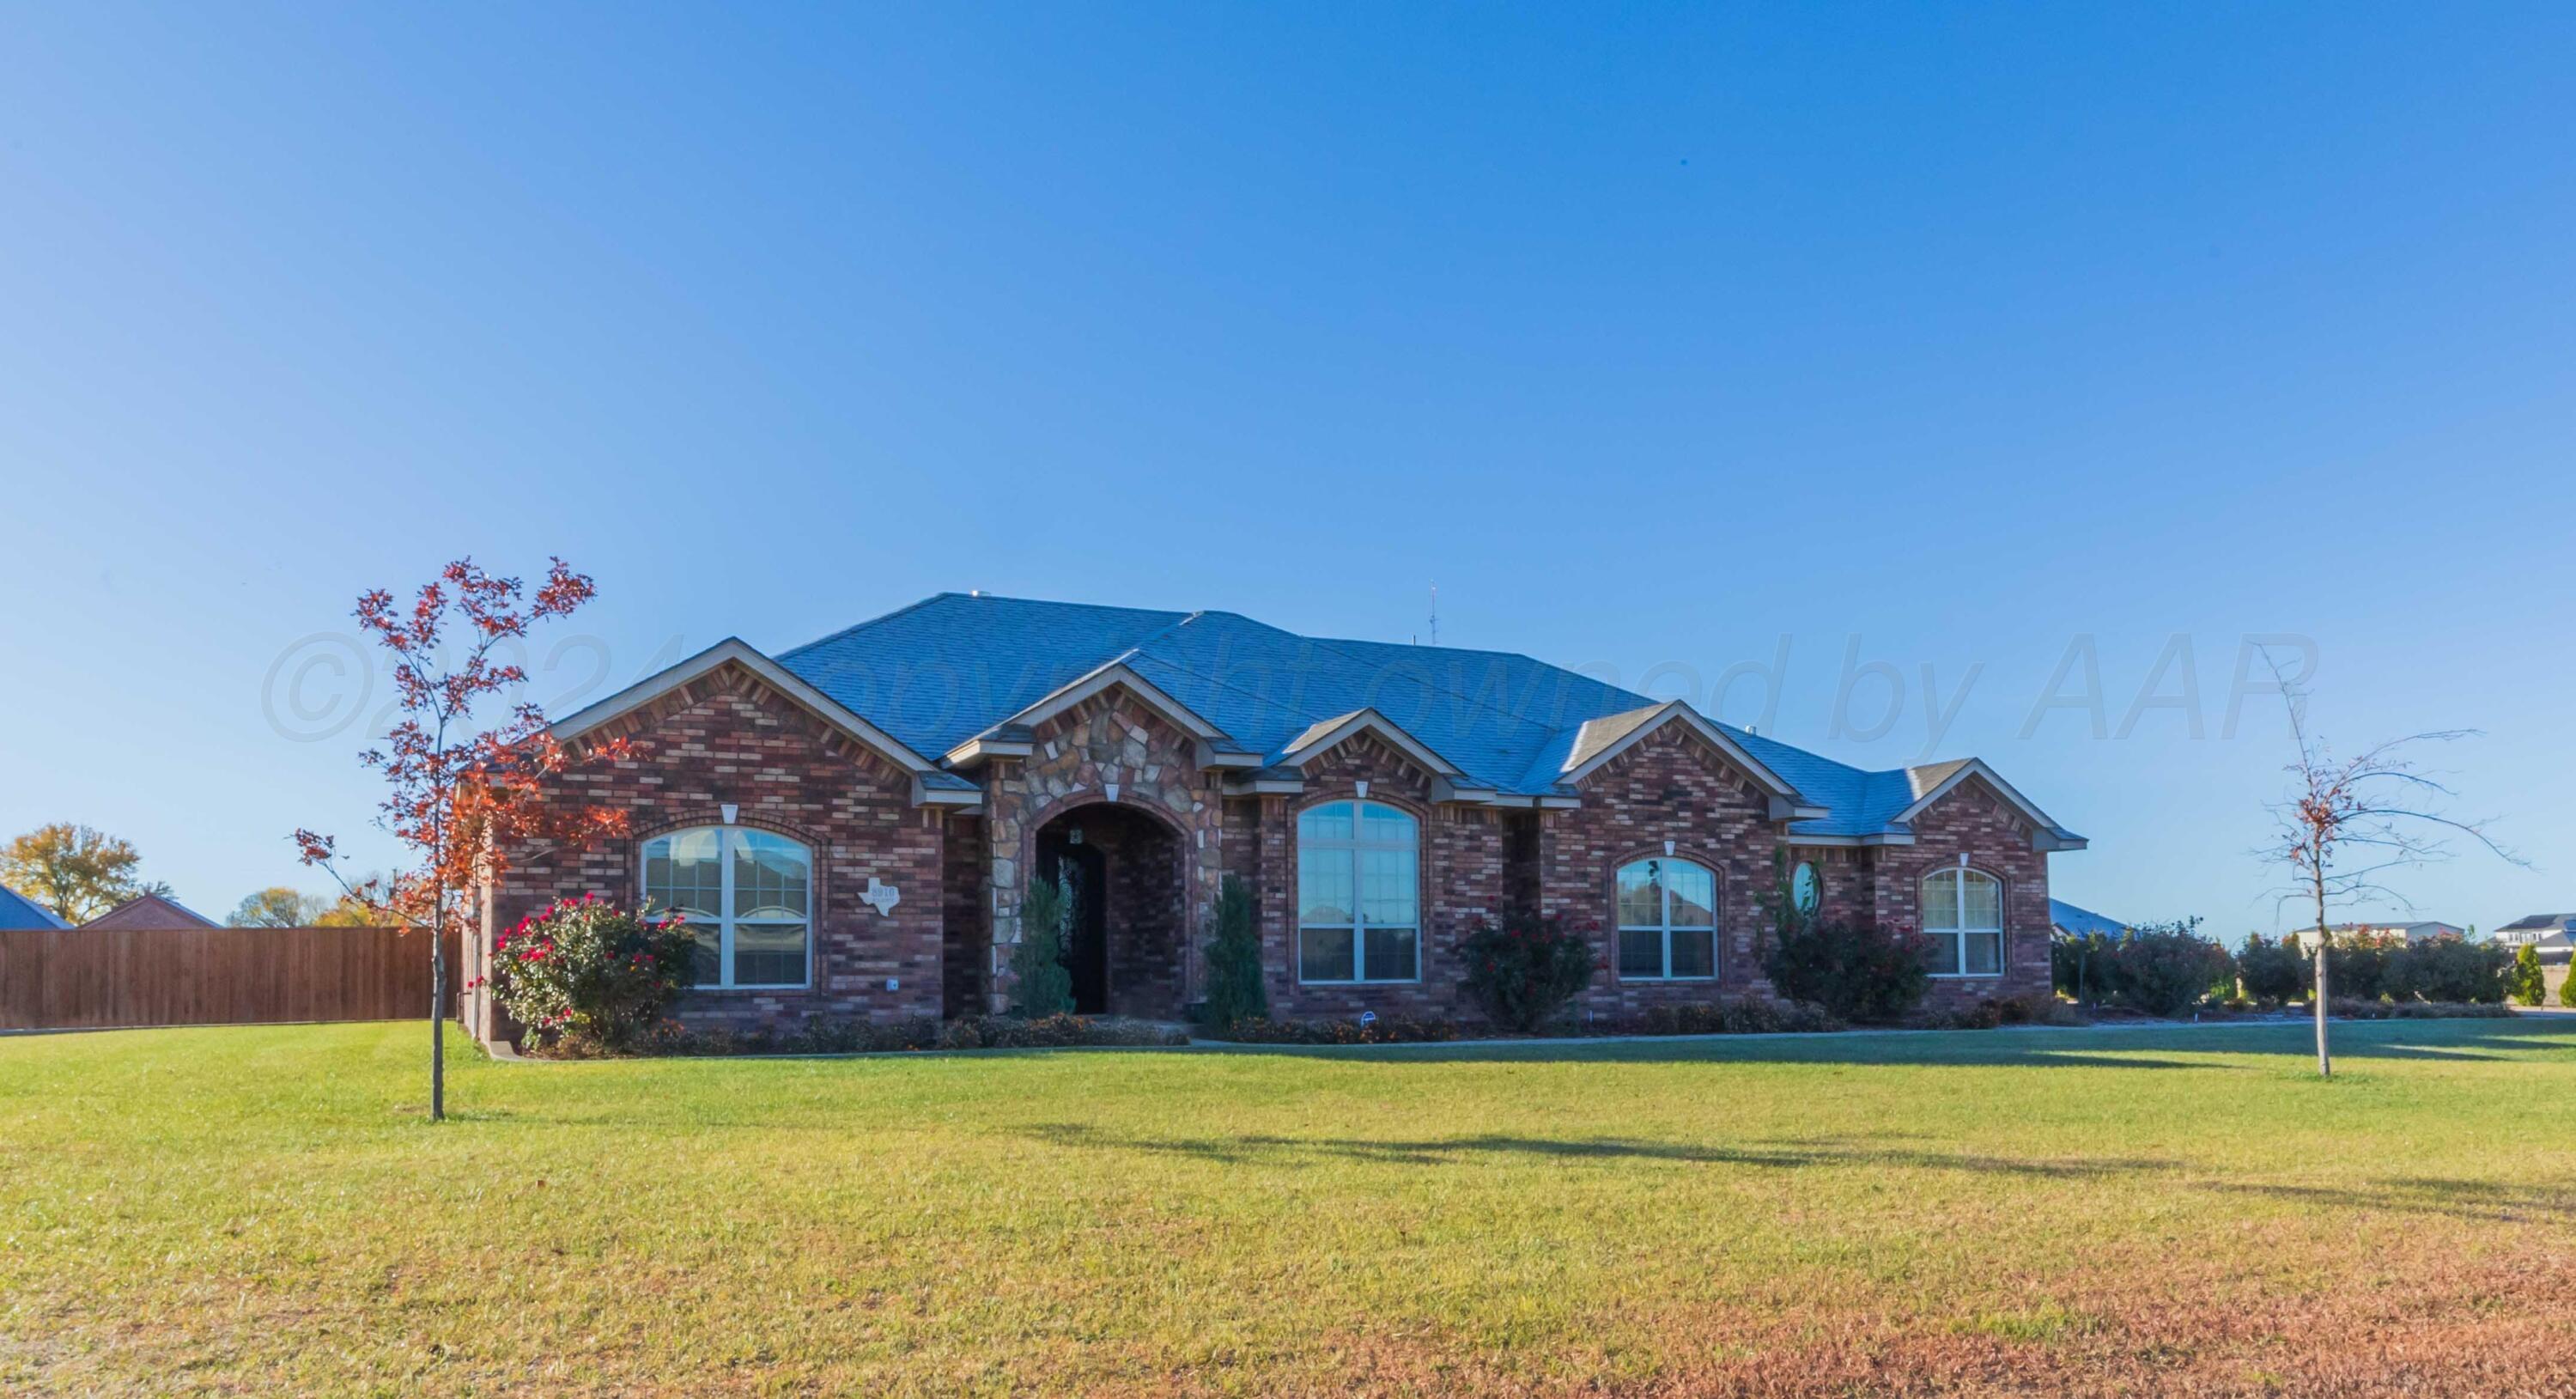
(1806, 888)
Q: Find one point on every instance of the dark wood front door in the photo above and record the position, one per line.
(1086, 940)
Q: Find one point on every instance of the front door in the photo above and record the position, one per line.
(1086, 936)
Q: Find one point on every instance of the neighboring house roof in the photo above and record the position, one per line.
(2422, 928)
(2542, 923)
(2067, 918)
(17, 912)
(150, 911)
(961, 675)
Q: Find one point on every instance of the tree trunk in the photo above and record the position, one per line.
(2325, 1060)
(439, 1029)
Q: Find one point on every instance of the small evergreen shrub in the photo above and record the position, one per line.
(1236, 990)
(1737, 1016)
(1386, 1029)
(587, 972)
(2272, 971)
(1855, 970)
(2525, 983)
(1523, 973)
(2567, 990)
(1994, 1012)
(1040, 985)
(2419, 1010)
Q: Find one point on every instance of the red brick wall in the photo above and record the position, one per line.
(965, 917)
(1669, 786)
(728, 738)
(1973, 821)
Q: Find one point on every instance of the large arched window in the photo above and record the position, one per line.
(1667, 921)
(1359, 913)
(748, 896)
(1963, 914)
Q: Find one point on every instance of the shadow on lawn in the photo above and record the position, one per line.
(2152, 1048)
(1448, 1150)
(2477, 1201)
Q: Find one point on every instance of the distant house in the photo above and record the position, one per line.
(2073, 922)
(17, 911)
(2382, 932)
(151, 911)
(2542, 930)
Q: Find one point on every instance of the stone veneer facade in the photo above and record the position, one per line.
(728, 738)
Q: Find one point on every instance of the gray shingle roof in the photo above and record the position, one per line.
(2068, 917)
(957, 665)
(17, 911)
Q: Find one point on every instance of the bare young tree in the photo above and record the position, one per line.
(2349, 823)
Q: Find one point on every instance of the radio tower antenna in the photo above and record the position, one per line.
(1435, 614)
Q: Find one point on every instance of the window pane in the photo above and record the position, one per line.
(770, 876)
(1985, 900)
(1641, 953)
(1331, 821)
(706, 955)
(1392, 953)
(681, 871)
(1384, 823)
(1324, 954)
(769, 954)
(1940, 900)
(1641, 902)
(1386, 887)
(1323, 886)
(1806, 888)
(1694, 952)
(1985, 954)
(1944, 957)
(1694, 901)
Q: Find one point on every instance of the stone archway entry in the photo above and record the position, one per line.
(1127, 938)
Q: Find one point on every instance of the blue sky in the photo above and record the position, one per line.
(1651, 335)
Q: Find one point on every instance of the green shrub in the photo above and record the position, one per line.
(588, 971)
(2525, 983)
(1040, 985)
(2357, 967)
(2419, 1010)
(2448, 969)
(1236, 990)
(1992, 1012)
(1855, 970)
(2166, 968)
(1385, 1029)
(823, 1035)
(1523, 973)
(1053, 1032)
(2273, 971)
(2567, 990)
(1737, 1016)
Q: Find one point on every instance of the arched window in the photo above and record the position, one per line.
(748, 896)
(1667, 922)
(1963, 914)
(1359, 915)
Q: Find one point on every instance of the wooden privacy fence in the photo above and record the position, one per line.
(98, 978)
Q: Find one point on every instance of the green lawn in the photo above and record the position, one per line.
(264, 1211)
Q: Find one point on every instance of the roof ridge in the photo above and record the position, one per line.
(1334, 644)
(913, 606)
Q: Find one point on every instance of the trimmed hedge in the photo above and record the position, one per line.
(1386, 1029)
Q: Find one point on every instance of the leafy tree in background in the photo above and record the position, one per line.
(460, 797)
(2567, 990)
(75, 870)
(278, 907)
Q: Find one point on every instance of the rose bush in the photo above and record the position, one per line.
(588, 970)
(1523, 972)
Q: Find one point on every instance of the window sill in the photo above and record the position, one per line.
(1965, 976)
(1364, 985)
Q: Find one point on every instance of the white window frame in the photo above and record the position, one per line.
(1664, 911)
(1359, 925)
(1958, 928)
(725, 920)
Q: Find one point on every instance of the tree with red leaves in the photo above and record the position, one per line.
(461, 798)
(2348, 822)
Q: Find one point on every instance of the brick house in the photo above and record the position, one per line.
(852, 822)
